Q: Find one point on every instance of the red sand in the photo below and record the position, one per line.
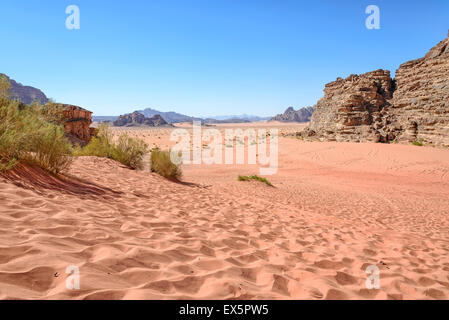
(335, 209)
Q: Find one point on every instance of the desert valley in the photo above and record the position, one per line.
(362, 180)
(334, 209)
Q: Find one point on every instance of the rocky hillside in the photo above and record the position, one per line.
(374, 107)
(26, 94)
(138, 119)
(290, 115)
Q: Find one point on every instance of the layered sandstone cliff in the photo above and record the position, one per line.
(420, 105)
(351, 109)
(373, 107)
(77, 123)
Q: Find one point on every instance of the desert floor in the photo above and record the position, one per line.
(334, 210)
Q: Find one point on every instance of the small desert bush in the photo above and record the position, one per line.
(51, 112)
(418, 143)
(128, 151)
(50, 149)
(27, 136)
(161, 163)
(100, 146)
(255, 177)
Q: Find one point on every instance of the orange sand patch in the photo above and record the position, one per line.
(335, 209)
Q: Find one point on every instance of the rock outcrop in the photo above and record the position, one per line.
(138, 119)
(351, 109)
(77, 123)
(290, 115)
(420, 105)
(373, 107)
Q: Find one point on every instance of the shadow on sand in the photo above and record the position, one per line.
(36, 179)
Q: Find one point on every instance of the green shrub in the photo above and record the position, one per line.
(96, 147)
(26, 135)
(12, 138)
(128, 151)
(161, 163)
(100, 146)
(50, 149)
(50, 112)
(5, 87)
(243, 178)
(255, 177)
(418, 143)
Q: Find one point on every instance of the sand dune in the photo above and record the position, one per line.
(335, 209)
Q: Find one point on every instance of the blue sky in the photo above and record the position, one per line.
(208, 57)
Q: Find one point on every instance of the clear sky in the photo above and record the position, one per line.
(209, 57)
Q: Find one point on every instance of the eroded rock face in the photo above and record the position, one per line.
(351, 109)
(373, 107)
(421, 100)
(77, 123)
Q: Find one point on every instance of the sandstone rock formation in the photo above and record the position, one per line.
(374, 107)
(351, 109)
(420, 109)
(77, 123)
(138, 119)
(290, 115)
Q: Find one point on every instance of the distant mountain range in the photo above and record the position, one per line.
(290, 115)
(174, 117)
(170, 116)
(247, 117)
(25, 94)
